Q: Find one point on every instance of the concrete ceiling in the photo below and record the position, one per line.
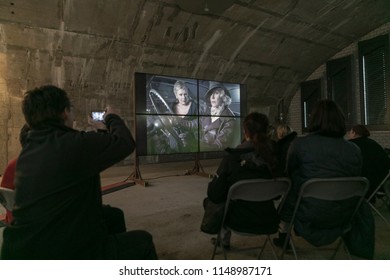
(270, 45)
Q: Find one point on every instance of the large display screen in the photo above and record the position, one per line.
(182, 115)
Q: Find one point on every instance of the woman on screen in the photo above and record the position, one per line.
(185, 111)
(184, 105)
(216, 132)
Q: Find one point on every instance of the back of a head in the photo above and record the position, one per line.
(256, 128)
(361, 130)
(256, 123)
(327, 119)
(43, 104)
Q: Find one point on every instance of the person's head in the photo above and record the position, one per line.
(327, 119)
(256, 127)
(47, 103)
(218, 96)
(282, 130)
(181, 92)
(358, 131)
(23, 135)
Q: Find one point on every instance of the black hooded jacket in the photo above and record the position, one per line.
(239, 164)
(58, 202)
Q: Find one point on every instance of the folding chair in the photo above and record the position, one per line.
(7, 198)
(330, 190)
(382, 195)
(259, 190)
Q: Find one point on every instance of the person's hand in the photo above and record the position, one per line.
(110, 110)
(184, 138)
(96, 124)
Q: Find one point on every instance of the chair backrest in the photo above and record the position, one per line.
(7, 198)
(258, 190)
(334, 189)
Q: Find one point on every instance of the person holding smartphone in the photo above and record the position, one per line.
(58, 211)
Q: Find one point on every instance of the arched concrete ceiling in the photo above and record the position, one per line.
(269, 45)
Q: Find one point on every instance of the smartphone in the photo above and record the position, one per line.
(98, 115)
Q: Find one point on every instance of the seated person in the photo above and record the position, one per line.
(7, 180)
(58, 211)
(323, 153)
(284, 137)
(254, 158)
(376, 163)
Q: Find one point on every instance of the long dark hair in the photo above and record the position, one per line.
(256, 127)
(327, 119)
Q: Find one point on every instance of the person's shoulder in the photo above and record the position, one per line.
(351, 148)
(288, 138)
(227, 112)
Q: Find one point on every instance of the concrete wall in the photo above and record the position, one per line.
(92, 73)
(294, 117)
(95, 71)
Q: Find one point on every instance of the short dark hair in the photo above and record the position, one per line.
(327, 119)
(44, 103)
(361, 130)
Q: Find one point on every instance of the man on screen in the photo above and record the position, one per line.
(217, 129)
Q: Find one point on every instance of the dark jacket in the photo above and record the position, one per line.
(317, 156)
(376, 163)
(58, 202)
(239, 164)
(219, 134)
(281, 150)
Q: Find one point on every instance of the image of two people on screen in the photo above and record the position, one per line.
(192, 116)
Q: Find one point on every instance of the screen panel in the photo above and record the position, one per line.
(160, 97)
(218, 133)
(232, 91)
(182, 115)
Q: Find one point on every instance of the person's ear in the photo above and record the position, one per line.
(67, 116)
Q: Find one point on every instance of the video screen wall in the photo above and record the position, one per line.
(182, 115)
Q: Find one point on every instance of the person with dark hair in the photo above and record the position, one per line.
(58, 212)
(284, 136)
(376, 163)
(7, 180)
(323, 153)
(254, 158)
(218, 126)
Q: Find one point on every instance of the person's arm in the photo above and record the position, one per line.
(218, 187)
(7, 180)
(95, 152)
(225, 133)
(292, 158)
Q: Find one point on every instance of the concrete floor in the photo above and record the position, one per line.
(170, 208)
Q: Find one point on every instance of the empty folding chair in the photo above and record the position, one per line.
(324, 211)
(255, 190)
